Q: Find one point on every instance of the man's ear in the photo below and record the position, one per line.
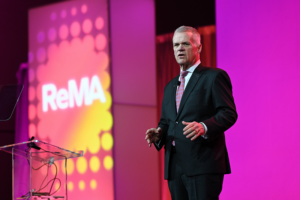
(199, 48)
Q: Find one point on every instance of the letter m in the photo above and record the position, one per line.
(78, 95)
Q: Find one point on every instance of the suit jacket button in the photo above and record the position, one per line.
(176, 122)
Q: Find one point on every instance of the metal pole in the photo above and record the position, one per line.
(48, 176)
(66, 179)
(30, 171)
(12, 153)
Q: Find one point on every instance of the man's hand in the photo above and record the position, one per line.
(193, 129)
(153, 135)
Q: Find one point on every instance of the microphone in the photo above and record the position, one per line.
(178, 83)
(32, 144)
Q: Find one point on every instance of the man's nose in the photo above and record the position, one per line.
(180, 47)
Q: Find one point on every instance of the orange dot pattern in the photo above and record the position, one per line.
(70, 46)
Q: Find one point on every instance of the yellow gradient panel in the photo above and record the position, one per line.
(93, 184)
(55, 168)
(70, 100)
(81, 165)
(95, 164)
(107, 141)
(70, 186)
(81, 185)
(108, 162)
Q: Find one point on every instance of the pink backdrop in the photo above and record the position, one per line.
(134, 166)
(258, 45)
(70, 101)
(132, 32)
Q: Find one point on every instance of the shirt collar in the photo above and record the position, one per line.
(192, 68)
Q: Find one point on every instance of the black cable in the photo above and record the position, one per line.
(56, 173)
(54, 178)
(56, 170)
(51, 181)
(57, 188)
(27, 150)
(44, 179)
(38, 167)
(45, 151)
(28, 193)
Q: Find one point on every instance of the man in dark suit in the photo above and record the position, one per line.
(197, 108)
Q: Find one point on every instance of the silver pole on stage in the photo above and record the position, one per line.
(13, 173)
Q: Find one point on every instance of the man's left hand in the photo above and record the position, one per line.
(193, 130)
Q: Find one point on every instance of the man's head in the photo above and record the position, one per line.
(187, 46)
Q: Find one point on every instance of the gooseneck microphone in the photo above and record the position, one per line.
(32, 144)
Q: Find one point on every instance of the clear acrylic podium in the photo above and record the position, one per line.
(33, 150)
(42, 152)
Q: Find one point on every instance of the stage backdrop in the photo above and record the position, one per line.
(258, 45)
(70, 92)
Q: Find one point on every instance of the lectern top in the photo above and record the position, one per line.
(40, 151)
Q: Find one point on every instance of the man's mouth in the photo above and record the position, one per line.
(181, 55)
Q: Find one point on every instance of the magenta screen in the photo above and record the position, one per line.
(258, 44)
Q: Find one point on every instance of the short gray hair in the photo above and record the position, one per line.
(196, 35)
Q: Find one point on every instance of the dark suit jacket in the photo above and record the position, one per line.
(207, 98)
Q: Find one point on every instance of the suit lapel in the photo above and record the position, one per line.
(190, 86)
(174, 96)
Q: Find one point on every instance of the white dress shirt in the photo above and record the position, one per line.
(186, 79)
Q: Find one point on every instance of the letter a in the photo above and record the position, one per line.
(96, 91)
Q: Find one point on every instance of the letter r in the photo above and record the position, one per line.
(49, 98)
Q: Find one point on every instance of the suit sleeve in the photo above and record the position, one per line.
(163, 124)
(225, 111)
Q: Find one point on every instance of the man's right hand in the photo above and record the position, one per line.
(153, 135)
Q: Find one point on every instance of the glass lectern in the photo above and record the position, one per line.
(42, 152)
(33, 150)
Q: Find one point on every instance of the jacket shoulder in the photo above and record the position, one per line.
(212, 70)
(172, 82)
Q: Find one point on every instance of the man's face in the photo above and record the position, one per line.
(186, 50)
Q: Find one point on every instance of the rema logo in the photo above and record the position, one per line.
(63, 98)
